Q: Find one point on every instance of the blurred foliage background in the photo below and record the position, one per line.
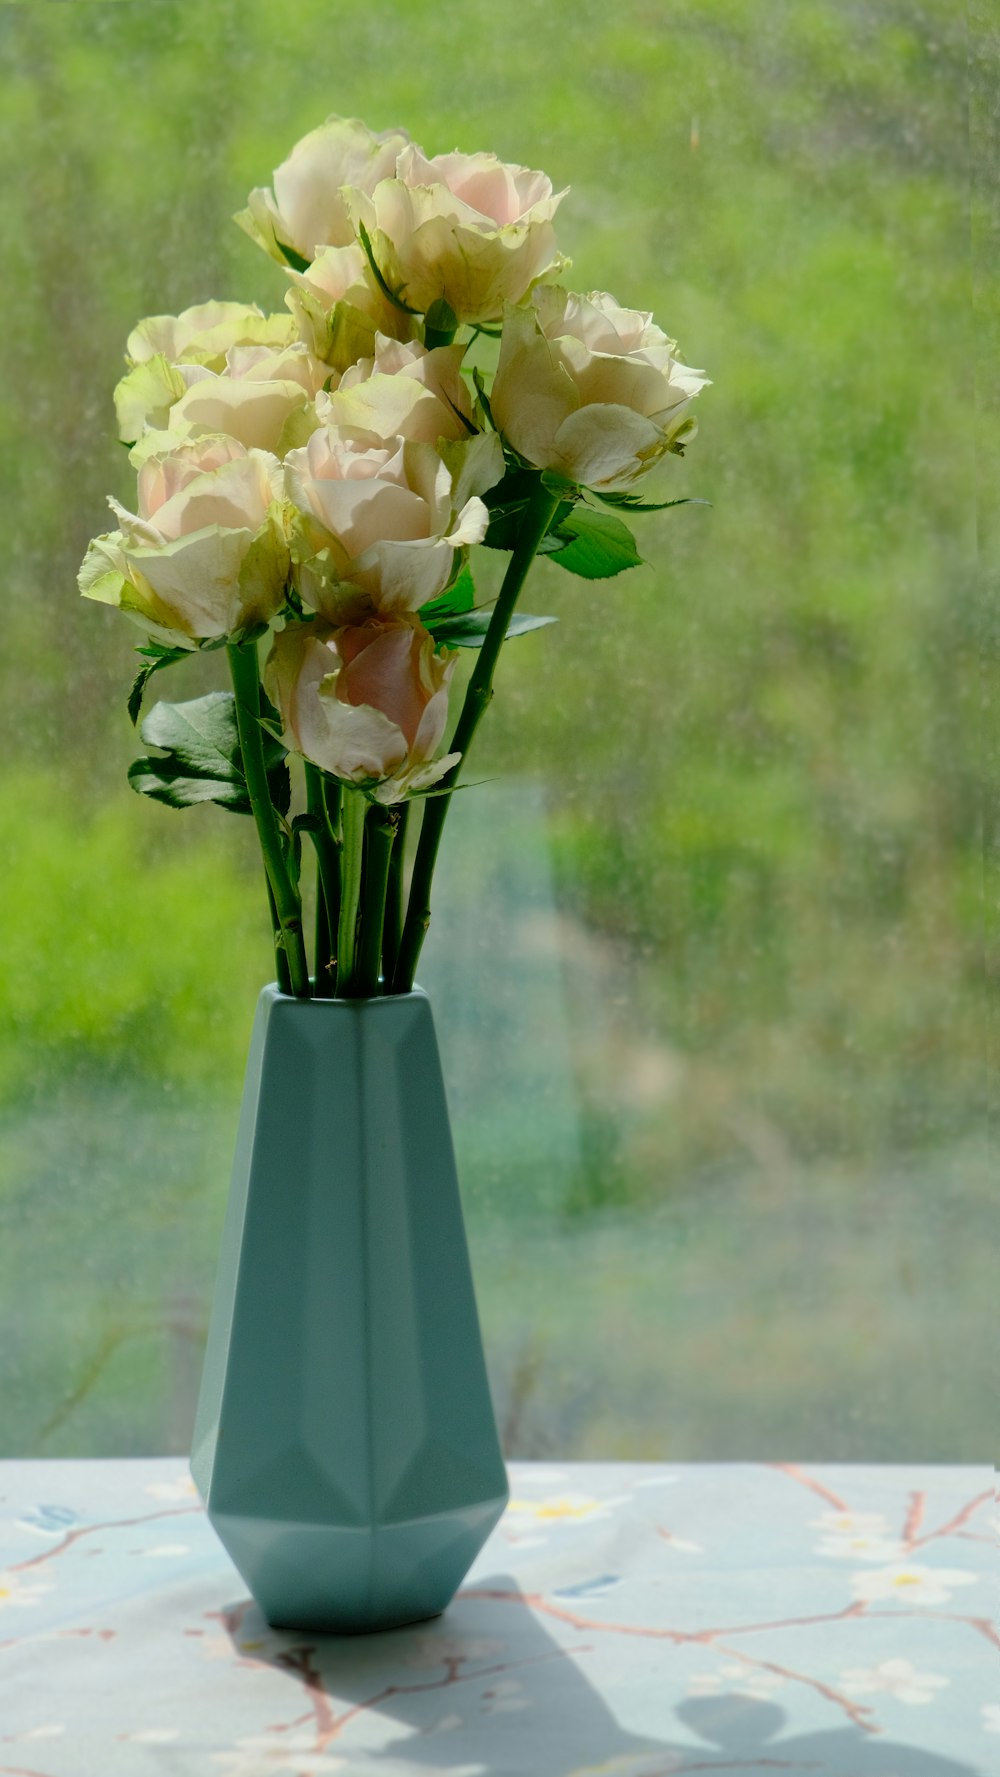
(708, 954)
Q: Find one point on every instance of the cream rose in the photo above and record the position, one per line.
(589, 389)
(340, 310)
(205, 333)
(206, 553)
(402, 391)
(465, 229)
(380, 525)
(258, 397)
(367, 702)
(305, 210)
(161, 350)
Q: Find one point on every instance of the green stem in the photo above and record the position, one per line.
(538, 516)
(321, 793)
(395, 899)
(287, 905)
(380, 831)
(352, 858)
(284, 979)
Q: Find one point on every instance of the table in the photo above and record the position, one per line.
(624, 1620)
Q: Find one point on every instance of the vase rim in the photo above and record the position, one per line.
(274, 993)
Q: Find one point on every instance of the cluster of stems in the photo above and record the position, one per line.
(369, 928)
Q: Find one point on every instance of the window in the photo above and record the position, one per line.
(707, 957)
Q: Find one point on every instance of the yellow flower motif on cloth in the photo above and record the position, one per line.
(183, 1489)
(910, 1583)
(565, 1508)
(19, 1593)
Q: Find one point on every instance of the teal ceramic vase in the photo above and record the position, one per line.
(345, 1444)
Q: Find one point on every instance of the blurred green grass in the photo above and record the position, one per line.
(711, 976)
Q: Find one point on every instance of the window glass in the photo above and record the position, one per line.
(707, 953)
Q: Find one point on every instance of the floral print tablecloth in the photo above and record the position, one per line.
(623, 1621)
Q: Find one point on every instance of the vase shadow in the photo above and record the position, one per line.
(749, 1734)
(485, 1685)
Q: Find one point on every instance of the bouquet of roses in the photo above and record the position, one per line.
(316, 480)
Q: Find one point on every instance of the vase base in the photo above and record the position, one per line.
(348, 1628)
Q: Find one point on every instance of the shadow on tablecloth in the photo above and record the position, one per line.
(487, 1688)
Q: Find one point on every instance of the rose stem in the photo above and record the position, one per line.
(538, 516)
(284, 979)
(352, 857)
(380, 831)
(395, 896)
(323, 804)
(288, 908)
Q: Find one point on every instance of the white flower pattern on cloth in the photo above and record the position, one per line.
(540, 1642)
(893, 1678)
(910, 1583)
(738, 1680)
(859, 1536)
(277, 1755)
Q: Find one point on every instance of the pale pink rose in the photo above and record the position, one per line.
(367, 702)
(306, 210)
(340, 309)
(465, 229)
(380, 523)
(589, 389)
(206, 553)
(402, 391)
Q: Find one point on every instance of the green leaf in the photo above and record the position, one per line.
(201, 734)
(596, 545)
(459, 597)
(294, 259)
(157, 657)
(507, 502)
(165, 781)
(201, 758)
(635, 504)
(469, 630)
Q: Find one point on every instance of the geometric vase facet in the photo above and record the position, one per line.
(345, 1444)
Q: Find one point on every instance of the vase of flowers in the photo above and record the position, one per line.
(311, 486)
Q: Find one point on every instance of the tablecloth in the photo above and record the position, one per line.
(624, 1620)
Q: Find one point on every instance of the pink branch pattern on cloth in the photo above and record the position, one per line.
(646, 1621)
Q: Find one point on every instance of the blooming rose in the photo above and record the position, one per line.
(257, 397)
(306, 209)
(403, 391)
(204, 334)
(366, 702)
(161, 348)
(589, 389)
(463, 228)
(340, 309)
(206, 554)
(380, 525)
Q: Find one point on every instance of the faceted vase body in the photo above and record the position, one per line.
(345, 1444)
